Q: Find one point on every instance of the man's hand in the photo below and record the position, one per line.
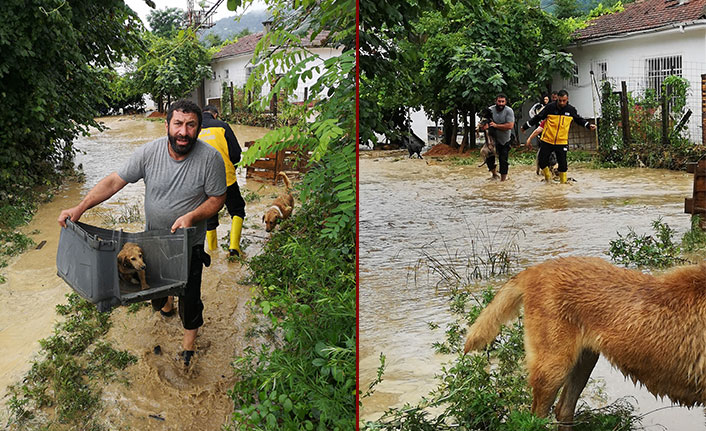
(187, 220)
(73, 213)
(592, 126)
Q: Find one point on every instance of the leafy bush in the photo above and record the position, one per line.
(657, 251)
(303, 376)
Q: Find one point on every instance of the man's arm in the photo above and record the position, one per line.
(102, 191)
(503, 126)
(536, 132)
(234, 149)
(208, 208)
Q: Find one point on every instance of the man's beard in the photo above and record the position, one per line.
(182, 150)
(499, 107)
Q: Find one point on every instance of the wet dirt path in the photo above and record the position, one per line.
(161, 395)
(412, 207)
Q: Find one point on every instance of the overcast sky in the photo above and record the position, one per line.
(143, 10)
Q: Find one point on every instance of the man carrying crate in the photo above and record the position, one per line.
(185, 184)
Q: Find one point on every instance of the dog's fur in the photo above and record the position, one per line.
(488, 147)
(281, 208)
(414, 144)
(131, 265)
(652, 328)
(553, 164)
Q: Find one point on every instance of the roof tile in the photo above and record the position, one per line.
(643, 15)
(246, 44)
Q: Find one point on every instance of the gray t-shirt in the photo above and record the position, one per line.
(500, 117)
(174, 188)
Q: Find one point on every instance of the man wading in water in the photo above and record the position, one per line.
(185, 184)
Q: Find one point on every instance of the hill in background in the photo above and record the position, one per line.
(227, 27)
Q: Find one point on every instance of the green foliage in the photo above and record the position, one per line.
(658, 251)
(166, 22)
(646, 147)
(469, 52)
(65, 377)
(695, 239)
(172, 68)
(123, 93)
(304, 377)
(51, 81)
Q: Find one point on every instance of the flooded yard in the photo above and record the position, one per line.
(410, 209)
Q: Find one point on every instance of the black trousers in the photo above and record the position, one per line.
(190, 304)
(545, 151)
(234, 203)
(503, 151)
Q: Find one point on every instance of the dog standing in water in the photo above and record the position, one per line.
(652, 328)
(281, 208)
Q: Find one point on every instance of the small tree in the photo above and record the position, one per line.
(166, 22)
(172, 68)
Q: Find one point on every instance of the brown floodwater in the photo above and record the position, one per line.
(161, 395)
(411, 209)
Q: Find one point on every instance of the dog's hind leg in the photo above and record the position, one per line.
(576, 381)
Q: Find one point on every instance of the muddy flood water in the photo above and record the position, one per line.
(161, 394)
(410, 208)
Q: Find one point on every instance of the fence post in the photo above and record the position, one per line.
(665, 120)
(625, 113)
(232, 101)
(703, 109)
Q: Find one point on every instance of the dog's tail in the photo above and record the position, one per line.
(285, 178)
(505, 306)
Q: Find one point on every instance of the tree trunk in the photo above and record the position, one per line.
(451, 131)
(465, 142)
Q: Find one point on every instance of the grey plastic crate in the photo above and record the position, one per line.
(87, 261)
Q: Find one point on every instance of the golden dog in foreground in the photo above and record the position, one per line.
(652, 328)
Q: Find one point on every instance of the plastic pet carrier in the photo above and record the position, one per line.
(87, 261)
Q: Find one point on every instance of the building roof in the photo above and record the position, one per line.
(246, 44)
(643, 15)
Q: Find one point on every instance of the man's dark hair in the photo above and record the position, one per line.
(554, 92)
(501, 96)
(210, 108)
(185, 106)
(562, 93)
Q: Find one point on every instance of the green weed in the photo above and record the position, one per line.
(62, 385)
(658, 251)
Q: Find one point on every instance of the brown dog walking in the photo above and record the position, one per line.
(652, 328)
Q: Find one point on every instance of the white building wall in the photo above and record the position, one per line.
(626, 61)
(233, 70)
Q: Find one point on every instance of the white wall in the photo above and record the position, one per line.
(626, 60)
(237, 66)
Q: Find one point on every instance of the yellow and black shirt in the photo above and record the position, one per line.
(556, 128)
(220, 136)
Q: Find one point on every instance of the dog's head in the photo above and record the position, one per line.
(270, 218)
(131, 258)
(485, 118)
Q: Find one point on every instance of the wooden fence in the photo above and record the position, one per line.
(289, 160)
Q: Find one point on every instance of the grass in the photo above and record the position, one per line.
(128, 214)
(63, 387)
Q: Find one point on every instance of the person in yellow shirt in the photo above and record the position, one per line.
(555, 135)
(219, 135)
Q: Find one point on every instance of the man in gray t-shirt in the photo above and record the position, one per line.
(503, 122)
(185, 184)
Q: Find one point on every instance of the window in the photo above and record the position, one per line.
(575, 77)
(659, 68)
(225, 76)
(602, 71)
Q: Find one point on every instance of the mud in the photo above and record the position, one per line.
(411, 208)
(161, 394)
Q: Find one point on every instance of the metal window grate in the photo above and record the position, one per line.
(659, 68)
(603, 71)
